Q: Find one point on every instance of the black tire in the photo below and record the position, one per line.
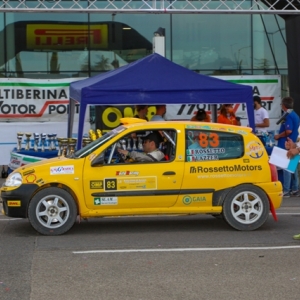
(246, 207)
(52, 211)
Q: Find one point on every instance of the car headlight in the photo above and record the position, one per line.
(14, 179)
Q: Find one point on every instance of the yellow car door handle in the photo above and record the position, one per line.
(169, 173)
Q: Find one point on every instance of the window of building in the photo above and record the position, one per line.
(212, 42)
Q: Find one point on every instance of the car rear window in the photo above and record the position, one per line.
(212, 145)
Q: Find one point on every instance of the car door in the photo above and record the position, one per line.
(212, 158)
(132, 185)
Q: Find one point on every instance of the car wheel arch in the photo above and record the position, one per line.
(52, 211)
(246, 207)
(58, 185)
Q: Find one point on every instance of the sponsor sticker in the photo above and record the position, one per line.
(187, 199)
(137, 183)
(203, 157)
(225, 169)
(106, 201)
(255, 149)
(61, 170)
(30, 178)
(124, 173)
(92, 156)
(28, 172)
(14, 203)
(40, 181)
(96, 184)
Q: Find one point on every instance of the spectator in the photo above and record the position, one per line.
(293, 149)
(160, 112)
(288, 129)
(201, 116)
(227, 115)
(142, 111)
(261, 115)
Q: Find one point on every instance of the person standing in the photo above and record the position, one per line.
(142, 111)
(293, 150)
(288, 129)
(261, 116)
(201, 116)
(227, 115)
(160, 112)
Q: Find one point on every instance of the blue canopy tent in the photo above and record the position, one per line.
(153, 80)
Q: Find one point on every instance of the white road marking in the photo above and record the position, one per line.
(15, 219)
(287, 213)
(186, 249)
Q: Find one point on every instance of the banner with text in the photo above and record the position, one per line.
(35, 100)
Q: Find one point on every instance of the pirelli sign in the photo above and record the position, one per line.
(61, 36)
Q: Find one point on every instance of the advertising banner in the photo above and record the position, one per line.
(35, 100)
(18, 160)
(268, 87)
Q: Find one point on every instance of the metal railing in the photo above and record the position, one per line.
(154, 6)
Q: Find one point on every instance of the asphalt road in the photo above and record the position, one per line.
(179, 257)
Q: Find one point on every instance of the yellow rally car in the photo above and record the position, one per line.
(207, 168)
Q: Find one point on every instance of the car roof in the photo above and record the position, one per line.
(138, 123)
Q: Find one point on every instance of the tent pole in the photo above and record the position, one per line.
(213, 109)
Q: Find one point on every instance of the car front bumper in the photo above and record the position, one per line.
(15, 202)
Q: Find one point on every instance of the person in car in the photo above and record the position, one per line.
(151, 152)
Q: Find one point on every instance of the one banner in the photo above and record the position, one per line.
(19, 160)
(268, 87)
(35, 100)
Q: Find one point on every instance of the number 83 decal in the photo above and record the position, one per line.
(208, 139)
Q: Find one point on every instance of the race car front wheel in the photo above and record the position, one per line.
(52, 211)
(246, 207)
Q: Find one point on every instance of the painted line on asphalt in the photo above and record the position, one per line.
(287, 213)
(15, 219)
(185, 249)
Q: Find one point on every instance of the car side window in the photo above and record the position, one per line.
(134, 150)
(212, 145)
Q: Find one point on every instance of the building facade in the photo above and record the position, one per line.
(56, 45)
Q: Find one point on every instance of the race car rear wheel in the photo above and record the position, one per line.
(52, 211)
(246, 207)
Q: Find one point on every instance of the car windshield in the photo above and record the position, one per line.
(89, 148)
